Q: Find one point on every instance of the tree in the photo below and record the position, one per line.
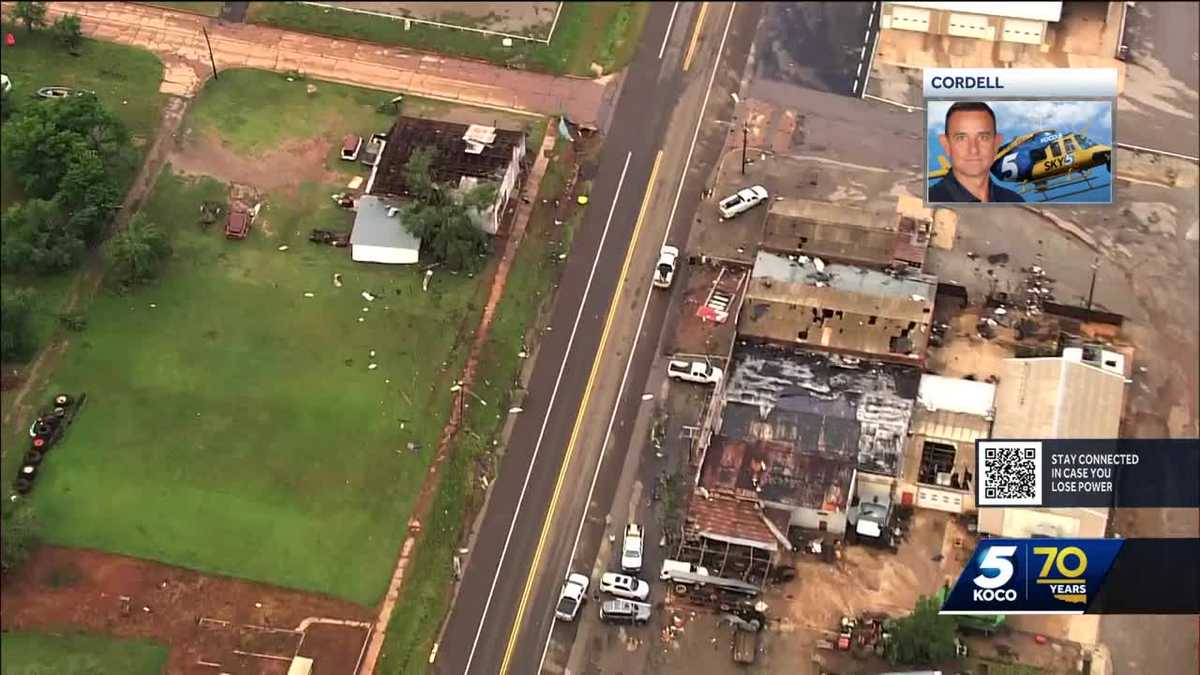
(138, 251)
(38, 237)
(32, 14)
(68, 30)
(41, 141)
(20, 535)
(923, 637)
(442, 219)
(16, 330)
(88, 194)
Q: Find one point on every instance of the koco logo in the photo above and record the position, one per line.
(990, 587)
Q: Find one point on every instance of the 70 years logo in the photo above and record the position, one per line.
(1019, 576)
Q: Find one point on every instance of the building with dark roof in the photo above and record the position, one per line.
(464, 155)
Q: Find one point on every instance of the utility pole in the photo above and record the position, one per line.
(1092, 289)
(745, 137)
(211, 59)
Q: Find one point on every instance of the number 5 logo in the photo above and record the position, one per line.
(1008, 167)
(996, 558)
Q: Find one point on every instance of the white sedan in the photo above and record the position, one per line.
(571, 597)
(744, 200)
(664, 270)
(694, 371)
(624, 586)
(631, 549)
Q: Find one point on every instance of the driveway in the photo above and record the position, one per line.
(1159, 106)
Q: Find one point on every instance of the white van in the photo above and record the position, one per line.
(670, 567)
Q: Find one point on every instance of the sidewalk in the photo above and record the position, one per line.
(176, 38)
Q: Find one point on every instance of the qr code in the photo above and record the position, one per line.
(1010, 473)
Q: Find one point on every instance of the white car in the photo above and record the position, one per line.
(571, 597)
(744, 200)
(664, 271)
(670, 567)
(694, 371)
(631, 549)
(624, 586)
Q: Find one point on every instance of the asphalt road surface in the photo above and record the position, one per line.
(818, 45)
(1162, 35)
(492, 594)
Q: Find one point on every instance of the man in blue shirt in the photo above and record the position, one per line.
(971, 143)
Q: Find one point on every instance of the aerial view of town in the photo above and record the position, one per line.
(600, 338)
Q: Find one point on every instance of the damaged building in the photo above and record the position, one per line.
(939, 464)
(845, 309)
(845, 234)
(463, 155)
(796, 430)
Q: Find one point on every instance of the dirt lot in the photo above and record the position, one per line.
(286, 167)
(518, 18)
(73, 589)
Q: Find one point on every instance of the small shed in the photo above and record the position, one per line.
(380, 235)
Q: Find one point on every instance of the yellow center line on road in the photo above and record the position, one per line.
(687, 60)
(587, 393)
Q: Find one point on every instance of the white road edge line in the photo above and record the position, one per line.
(667, 35)
(546, 420)
(641, 320)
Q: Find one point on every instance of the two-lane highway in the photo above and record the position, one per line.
(496, 592)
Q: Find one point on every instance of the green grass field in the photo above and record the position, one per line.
(425, 597)
(587, 32)
(79, 654)
(232, 424)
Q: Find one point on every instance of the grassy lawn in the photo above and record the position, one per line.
(425, 597)
(205, 8)
(232, 424)
(334, 110)
(79, 654)
(126, 79)
(587, 32)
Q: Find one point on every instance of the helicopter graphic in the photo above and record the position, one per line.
(1047, 162)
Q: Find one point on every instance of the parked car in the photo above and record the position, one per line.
(571, 597)
(670, 567)
(374, 150)
(624, 586)
(664, 271)
(631, 549)
(694, 371)
(351, 144)
(624, 611)
(744, 200)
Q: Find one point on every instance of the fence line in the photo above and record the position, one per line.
(439, 24)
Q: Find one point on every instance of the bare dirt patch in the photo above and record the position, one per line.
(286, 167)
(75, 589)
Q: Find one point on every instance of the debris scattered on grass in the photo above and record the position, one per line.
(372, 353)
(515, 409)
(360, 319)
(354, 183)
(425, 283)
(372, 366)
(366, 309)
(310, 295)
(521, 354)
(152, 305)
(283, 247)
(337, 280)
(368, 297)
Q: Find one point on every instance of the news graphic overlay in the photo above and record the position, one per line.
(1077, 576)
(1019, 135)
(1103, 473)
